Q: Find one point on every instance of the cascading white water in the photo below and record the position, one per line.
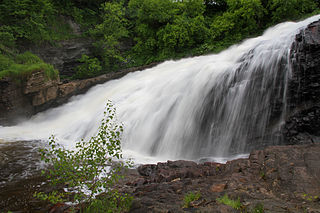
(209, 106)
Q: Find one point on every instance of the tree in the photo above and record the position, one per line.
(25, 19)
(89, 68)
(165, 28)
(109, 32)
(89, 170)
(214, 7)
(241, 19)
(282, 10)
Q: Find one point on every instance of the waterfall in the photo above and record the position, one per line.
(214, 106)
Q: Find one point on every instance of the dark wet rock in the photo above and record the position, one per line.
(175, 170)
(303, 124)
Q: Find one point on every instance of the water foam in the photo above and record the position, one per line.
(215, 106)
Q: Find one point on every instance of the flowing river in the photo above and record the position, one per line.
(214, 107)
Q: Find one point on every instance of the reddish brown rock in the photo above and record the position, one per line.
(280, 178)
(218, 187)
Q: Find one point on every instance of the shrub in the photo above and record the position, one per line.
(90, 67)
(5, 62)
(87, 170)
(22, 65)
(7, 39)
(27, 58)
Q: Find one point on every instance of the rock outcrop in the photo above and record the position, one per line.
(279, 178)
(64, 55)
(19, 101)
(303, 123)
(276, 179)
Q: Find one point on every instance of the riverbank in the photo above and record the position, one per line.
(278, 179)
(21, 101)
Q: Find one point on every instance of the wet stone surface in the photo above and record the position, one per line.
(20, 177)
(280, 178)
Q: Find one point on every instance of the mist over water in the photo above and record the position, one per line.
(214, 107)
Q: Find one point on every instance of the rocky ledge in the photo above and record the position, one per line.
(279, 178)
(36, 93)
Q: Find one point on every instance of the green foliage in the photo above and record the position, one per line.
(310, 198)
(165, 29)
(22, 65)
(135, 32)
(90, 67)
(190, 197)
(53, 197)
(242, 19)
(115, 203)
(26, 19)
(5, 62)
(27, 58)
(59, 29)
(236, 204)
(89, 170)
(282, 10)
(258, 208)
(6, 38)
(109, 32)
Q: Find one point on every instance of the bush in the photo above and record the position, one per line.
(27, 58)
(7, 39)
(22, 65)
(90, 67)
(88, 171)
(27, 19)
(5, 62)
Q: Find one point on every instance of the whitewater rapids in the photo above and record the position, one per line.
(206, 107)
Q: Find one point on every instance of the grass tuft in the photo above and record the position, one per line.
(235, 204)
(190, 197)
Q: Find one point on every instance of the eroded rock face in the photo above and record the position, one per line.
(13, 103)
(19, 100)
(303, 124)
(65, 55)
